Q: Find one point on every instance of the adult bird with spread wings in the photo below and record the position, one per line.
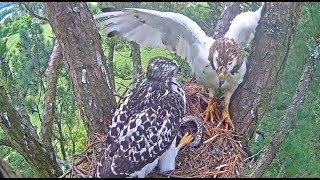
(215, 64)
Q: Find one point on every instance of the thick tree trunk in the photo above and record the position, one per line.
(49, 102)
(287, 122)
(136, 61)
(269, 53)
(80, 41)
(20, 138)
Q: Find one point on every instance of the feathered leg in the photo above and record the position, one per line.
(211, 106)
(225, 113)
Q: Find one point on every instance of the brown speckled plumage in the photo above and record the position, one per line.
(146, 123)
(227, 50)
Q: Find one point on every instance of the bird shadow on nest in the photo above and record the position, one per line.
(220, 155)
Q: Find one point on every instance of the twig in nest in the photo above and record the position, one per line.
(79, 172)
(66, 173)
(73, 165)
(211, 139)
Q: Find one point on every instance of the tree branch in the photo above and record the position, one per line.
(49, 102)
(136, 60)
(33, 14)
(111, 46)
(287, 120)
(16, 97)
(230, 11)
(61, 139)
(22, 139)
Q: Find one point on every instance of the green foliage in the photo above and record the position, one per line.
(17, 161)
(33, 54)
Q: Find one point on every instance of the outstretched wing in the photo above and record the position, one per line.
(166, 30)
(243, 27)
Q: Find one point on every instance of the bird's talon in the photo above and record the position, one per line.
(209, 113)
(229, 124)
(226, 118)
(186, 139)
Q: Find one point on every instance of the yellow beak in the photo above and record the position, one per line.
(221, 79)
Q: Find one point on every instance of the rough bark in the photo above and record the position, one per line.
(136, 61)
(80, 41)
(49, 102)
(230, 11)
(8, 172)
(23, 141)
(287, 121)
(110, 62)
(269, 53)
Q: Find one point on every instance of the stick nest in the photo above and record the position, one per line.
(219, 155)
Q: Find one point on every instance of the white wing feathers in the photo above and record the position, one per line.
(167, 30)
(243, 27)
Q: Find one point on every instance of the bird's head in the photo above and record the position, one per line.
(226, 58)
(161, 69)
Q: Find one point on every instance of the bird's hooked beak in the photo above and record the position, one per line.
(221, 79)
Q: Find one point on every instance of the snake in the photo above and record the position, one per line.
(197, 140)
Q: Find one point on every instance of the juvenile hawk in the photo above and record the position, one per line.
(145, 126)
